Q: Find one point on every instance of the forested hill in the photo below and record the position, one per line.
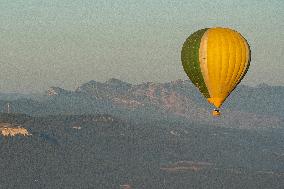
(104, 152)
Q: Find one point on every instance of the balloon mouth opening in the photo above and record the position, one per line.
(217, 102)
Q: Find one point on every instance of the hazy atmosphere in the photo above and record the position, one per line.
(68, 42)
(132, 94)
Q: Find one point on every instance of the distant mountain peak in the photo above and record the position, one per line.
(55, 91)
(262, 85)
(114, 81)
(92, 82)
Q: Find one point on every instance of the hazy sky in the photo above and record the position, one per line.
(68, 42)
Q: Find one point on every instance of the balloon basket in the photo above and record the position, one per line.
(216, 113)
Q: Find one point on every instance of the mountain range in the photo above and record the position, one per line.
(247, 107)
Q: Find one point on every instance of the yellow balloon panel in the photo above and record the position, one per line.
(223, 62)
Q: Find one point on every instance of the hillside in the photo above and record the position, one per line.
(109, 152)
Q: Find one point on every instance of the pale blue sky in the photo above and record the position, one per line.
(68, 42)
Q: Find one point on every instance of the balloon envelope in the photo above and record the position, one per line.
(215, 60)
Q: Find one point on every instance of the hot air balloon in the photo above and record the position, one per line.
(215, 60)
